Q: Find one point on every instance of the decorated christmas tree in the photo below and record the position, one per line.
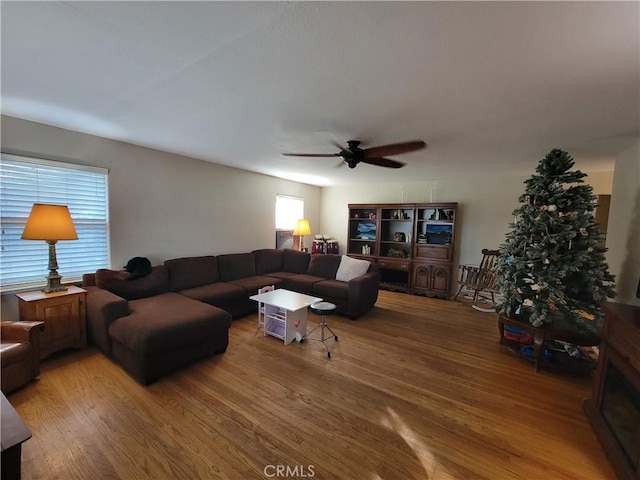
(552, 264)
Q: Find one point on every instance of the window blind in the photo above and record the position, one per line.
(25, 181)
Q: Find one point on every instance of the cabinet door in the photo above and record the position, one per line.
(421, 278)
(62, 322)
(441, 279)
(431, 279)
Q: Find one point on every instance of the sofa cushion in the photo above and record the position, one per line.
(268, 260)
(331, 289)
(219, 294)
(115, 281)
(190, 272)
(280, 274)
(351, 268)
(252, 284)
(301, 283)
(324, 266)
(295, 261)
(236, 265)
(166, 322)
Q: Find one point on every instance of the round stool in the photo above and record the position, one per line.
(324, 309)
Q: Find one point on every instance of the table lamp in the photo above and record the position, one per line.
(302, 228)
(50, 223)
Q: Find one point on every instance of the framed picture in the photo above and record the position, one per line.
(439, 234)
(284, 239)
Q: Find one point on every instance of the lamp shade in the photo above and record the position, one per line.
(302, 228)
(49, 222)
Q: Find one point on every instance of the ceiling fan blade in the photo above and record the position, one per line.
(337, 145)
(393, 149)
(383, 162)
(311, 154)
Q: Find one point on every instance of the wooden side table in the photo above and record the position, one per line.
(63, 314)
(544, 334)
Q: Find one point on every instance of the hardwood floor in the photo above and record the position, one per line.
(416, 389)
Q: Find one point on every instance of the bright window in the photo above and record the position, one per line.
(25, 181)
(288, 211)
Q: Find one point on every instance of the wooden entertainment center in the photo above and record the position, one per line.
(412, 243)
(614, 408)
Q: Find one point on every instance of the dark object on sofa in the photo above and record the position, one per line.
(19, 353)
(182, 310)
(138, 267)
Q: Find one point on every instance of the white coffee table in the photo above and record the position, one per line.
(285, 313)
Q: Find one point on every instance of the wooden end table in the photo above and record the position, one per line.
(63, 314)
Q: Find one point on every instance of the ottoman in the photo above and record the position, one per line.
(165, 332)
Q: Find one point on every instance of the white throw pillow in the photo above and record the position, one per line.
(351, 268)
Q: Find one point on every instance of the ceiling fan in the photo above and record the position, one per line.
(353, 154)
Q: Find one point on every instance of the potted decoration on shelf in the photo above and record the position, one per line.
(552, 266)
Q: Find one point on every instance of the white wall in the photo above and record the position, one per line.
(485, 206)
(163, 205)
(623, 235)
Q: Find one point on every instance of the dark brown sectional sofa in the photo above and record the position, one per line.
(182, 311)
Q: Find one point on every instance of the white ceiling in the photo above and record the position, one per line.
(490, 86)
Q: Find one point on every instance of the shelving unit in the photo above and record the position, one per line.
(411, 243)
(434, 243)
(363, 231)
(394, 259)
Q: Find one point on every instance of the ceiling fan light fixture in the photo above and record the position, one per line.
(373, 156)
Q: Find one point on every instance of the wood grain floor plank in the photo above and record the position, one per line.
(418, 388)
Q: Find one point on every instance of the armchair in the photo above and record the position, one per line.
(19, 353)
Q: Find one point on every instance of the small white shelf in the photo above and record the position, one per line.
(275, 326)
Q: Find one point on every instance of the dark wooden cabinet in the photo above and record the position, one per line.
(614, 407)
(435, 236)
(412, 243)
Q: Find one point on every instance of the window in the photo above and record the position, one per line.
(25, 181)
(288, 211)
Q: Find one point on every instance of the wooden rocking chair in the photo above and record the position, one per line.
(478, 281)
